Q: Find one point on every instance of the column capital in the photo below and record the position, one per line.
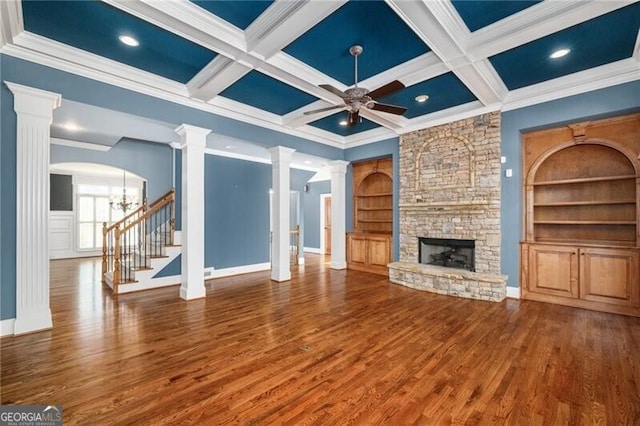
(338, 166)
(198, 135)
(281, 154)
(34, 102)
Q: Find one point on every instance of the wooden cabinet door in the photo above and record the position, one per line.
(379, 253)
(610, 276)
(553, 270)
(357, 250)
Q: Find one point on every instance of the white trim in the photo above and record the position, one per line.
(322, 248)
(312, 250)
(148, 285)
(513, 292)
(7, 327)
(237, 270)
(235, 155)
(81, 145)
(301, 260)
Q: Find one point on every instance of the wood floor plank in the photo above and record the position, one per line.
(328, 347)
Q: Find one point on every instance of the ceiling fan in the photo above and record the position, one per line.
(357, 97)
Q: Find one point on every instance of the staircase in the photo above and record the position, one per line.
(139, 246)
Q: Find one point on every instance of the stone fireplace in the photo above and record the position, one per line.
(450, 194)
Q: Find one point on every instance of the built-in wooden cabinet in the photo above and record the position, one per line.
(582, 203)
(369, 246)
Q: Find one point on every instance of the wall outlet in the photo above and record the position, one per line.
(508, 173)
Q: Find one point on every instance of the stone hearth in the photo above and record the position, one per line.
(450, 188)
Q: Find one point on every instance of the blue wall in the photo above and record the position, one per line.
(386, 148)
(600, 103)
(92, 92)
(236, 212)
(311, 208)
(151, 161)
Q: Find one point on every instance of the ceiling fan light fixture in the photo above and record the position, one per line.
(560, 53)
(422, 98)
(128, 40)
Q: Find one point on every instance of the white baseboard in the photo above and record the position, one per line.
(513, 292)
(312, 250)
(7, 327)
(147, 285)
(237, 270)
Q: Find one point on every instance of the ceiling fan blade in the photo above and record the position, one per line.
(333, 90)
(353, 118)
(315, 111)
(385, 90)
(398, 110)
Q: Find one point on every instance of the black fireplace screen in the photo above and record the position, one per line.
(449, 253)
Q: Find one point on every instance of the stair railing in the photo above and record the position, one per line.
(128, 245)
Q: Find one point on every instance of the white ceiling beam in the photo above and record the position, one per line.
(10, 21)
(600, 77)
(190, 22)
(536, 22)
(219, 74)
(284, 21)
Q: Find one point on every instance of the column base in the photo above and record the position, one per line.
(280, 277)
(338, 265)
(190, 293)
(33, 321)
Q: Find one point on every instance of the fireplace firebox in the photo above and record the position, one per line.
(449, 253)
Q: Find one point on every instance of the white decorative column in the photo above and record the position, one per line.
(34, 109)
(338, 214)
(281, 161)
(193, 141)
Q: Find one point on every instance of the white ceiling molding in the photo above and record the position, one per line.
(10, 21)
(459, 112)
(373, 135)
(219, 74)
(79, 144)
(540, 20)
(37, 48)
(482, 79)
(285, 21)
(188, 21)
(636, 49)
(606, 75)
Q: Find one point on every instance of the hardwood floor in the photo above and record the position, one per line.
(329, 347)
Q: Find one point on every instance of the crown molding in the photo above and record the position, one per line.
(536, 22)
(79, 144)
(10, 21)
(449, 115)
(603, 76)
(188, 21)
(636, 49)
(285, 21)
(219, 74)
(48, 52)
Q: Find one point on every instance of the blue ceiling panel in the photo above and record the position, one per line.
(332, 124)
(602, 40)
(386, 39)
(160, 52)
(240, 13)
(479, 14)
(261, 91)
(444, 91)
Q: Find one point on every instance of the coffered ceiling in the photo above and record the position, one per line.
(262, 61)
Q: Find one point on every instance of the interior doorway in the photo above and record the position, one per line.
(325, 228)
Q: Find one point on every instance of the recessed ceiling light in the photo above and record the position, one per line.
(129, 41)
(229, 146)
(559, 53)
(343, 122)
(422, 98)
(307, 162)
